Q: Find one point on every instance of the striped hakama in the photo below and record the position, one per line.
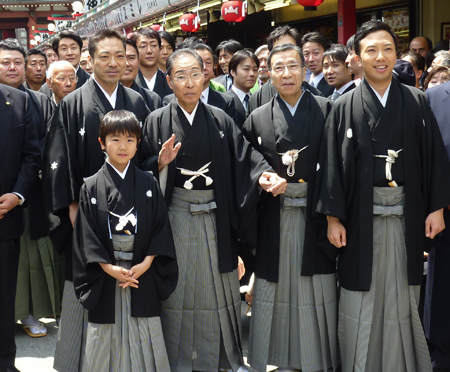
(201, 319)
(130, 344)
(380, 330)
(40, 279)
(294, 321)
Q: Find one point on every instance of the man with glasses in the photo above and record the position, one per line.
(150, 77)
(62, 80)
(294, 306)
(204, 177)
(72, 153)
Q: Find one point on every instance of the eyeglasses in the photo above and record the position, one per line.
(61, 79)
(182, 79)
(291, 67)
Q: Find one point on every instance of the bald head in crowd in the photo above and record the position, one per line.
(420, 45)
(61, 79)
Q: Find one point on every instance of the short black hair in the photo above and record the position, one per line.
(351, 43)
(281, 31)
(180, 53)
(147, 32)
(416, 59)
(66, 35)
(201, 46)
(133, 44)
(45, 47)
(120, 122)
(107, 33)
(12, 44)
(230, 46)
(336, 52)
(370, 27)
(441, 45)
(285, 48)
(239, 57)
(167, 37)
(33, 52)
(316, 37)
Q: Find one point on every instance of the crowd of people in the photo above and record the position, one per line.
(144, 183)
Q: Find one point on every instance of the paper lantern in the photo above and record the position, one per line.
(157, 27)
(310, 4)
(234, 11)
(190, 22)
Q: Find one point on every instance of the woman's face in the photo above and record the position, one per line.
(439, 78)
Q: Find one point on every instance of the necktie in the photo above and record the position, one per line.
(229, 82)
(204, 99)
(246, 99)
(335, 95)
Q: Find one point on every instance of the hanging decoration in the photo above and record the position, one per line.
(234, 10)
(310, 5)
(157, 27)
(190, 21)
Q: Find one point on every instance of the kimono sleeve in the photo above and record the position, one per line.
(88, 251)
(151, 144)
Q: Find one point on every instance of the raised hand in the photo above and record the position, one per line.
(168, 152)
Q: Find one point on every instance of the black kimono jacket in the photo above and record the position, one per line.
(264, 94)
(72, 151)
(152, 100)
(355, 128)
(161, 88)
(93, 245)
(263, 128)
(236, 168)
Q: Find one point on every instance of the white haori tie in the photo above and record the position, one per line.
(289, 158)
(195, 174)
(390, 159)
(123, 220)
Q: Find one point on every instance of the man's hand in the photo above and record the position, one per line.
(168, 152)
(8, 202)
(139, 269)
(123, 275)
(336, 232)
(271, 182)
(434, 223)
(241, 268)
(73, 212)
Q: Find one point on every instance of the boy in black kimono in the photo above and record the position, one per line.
(386, 180)
(124, 257)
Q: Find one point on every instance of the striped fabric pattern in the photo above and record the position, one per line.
(71, 342)
(294, 321)
(380, 330)
(201, 319)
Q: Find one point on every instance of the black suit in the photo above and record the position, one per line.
(19, 165)
(324, 88)
(349, 88)
(217, 99)
(241, 112)
(82, 75)
(222, 79)
(161, 88)
(437, 296)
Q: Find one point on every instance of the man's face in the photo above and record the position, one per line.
(51, 56)
(224, 60)
(313, 53)
(352, 62)
(245, 75)
(188, 92)
(69, 50)
(378, 56)
(35, 69)
(263, 71)
(12, 68)
(63, 81)
(287, 74)
(419, 45)
(109, 61)
(336, 72)
(148, 51)
(132, 65)
(208, 66)
(165, 52)
(86, 62)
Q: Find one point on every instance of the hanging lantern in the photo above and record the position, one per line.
(157, 27)
(190, 22)
(310, 4)
(234, 11)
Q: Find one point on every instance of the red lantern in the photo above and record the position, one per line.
(234, 11)
(157, 27)
(310, 4)
(190, 22)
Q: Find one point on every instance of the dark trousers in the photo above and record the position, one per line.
(9, 263)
